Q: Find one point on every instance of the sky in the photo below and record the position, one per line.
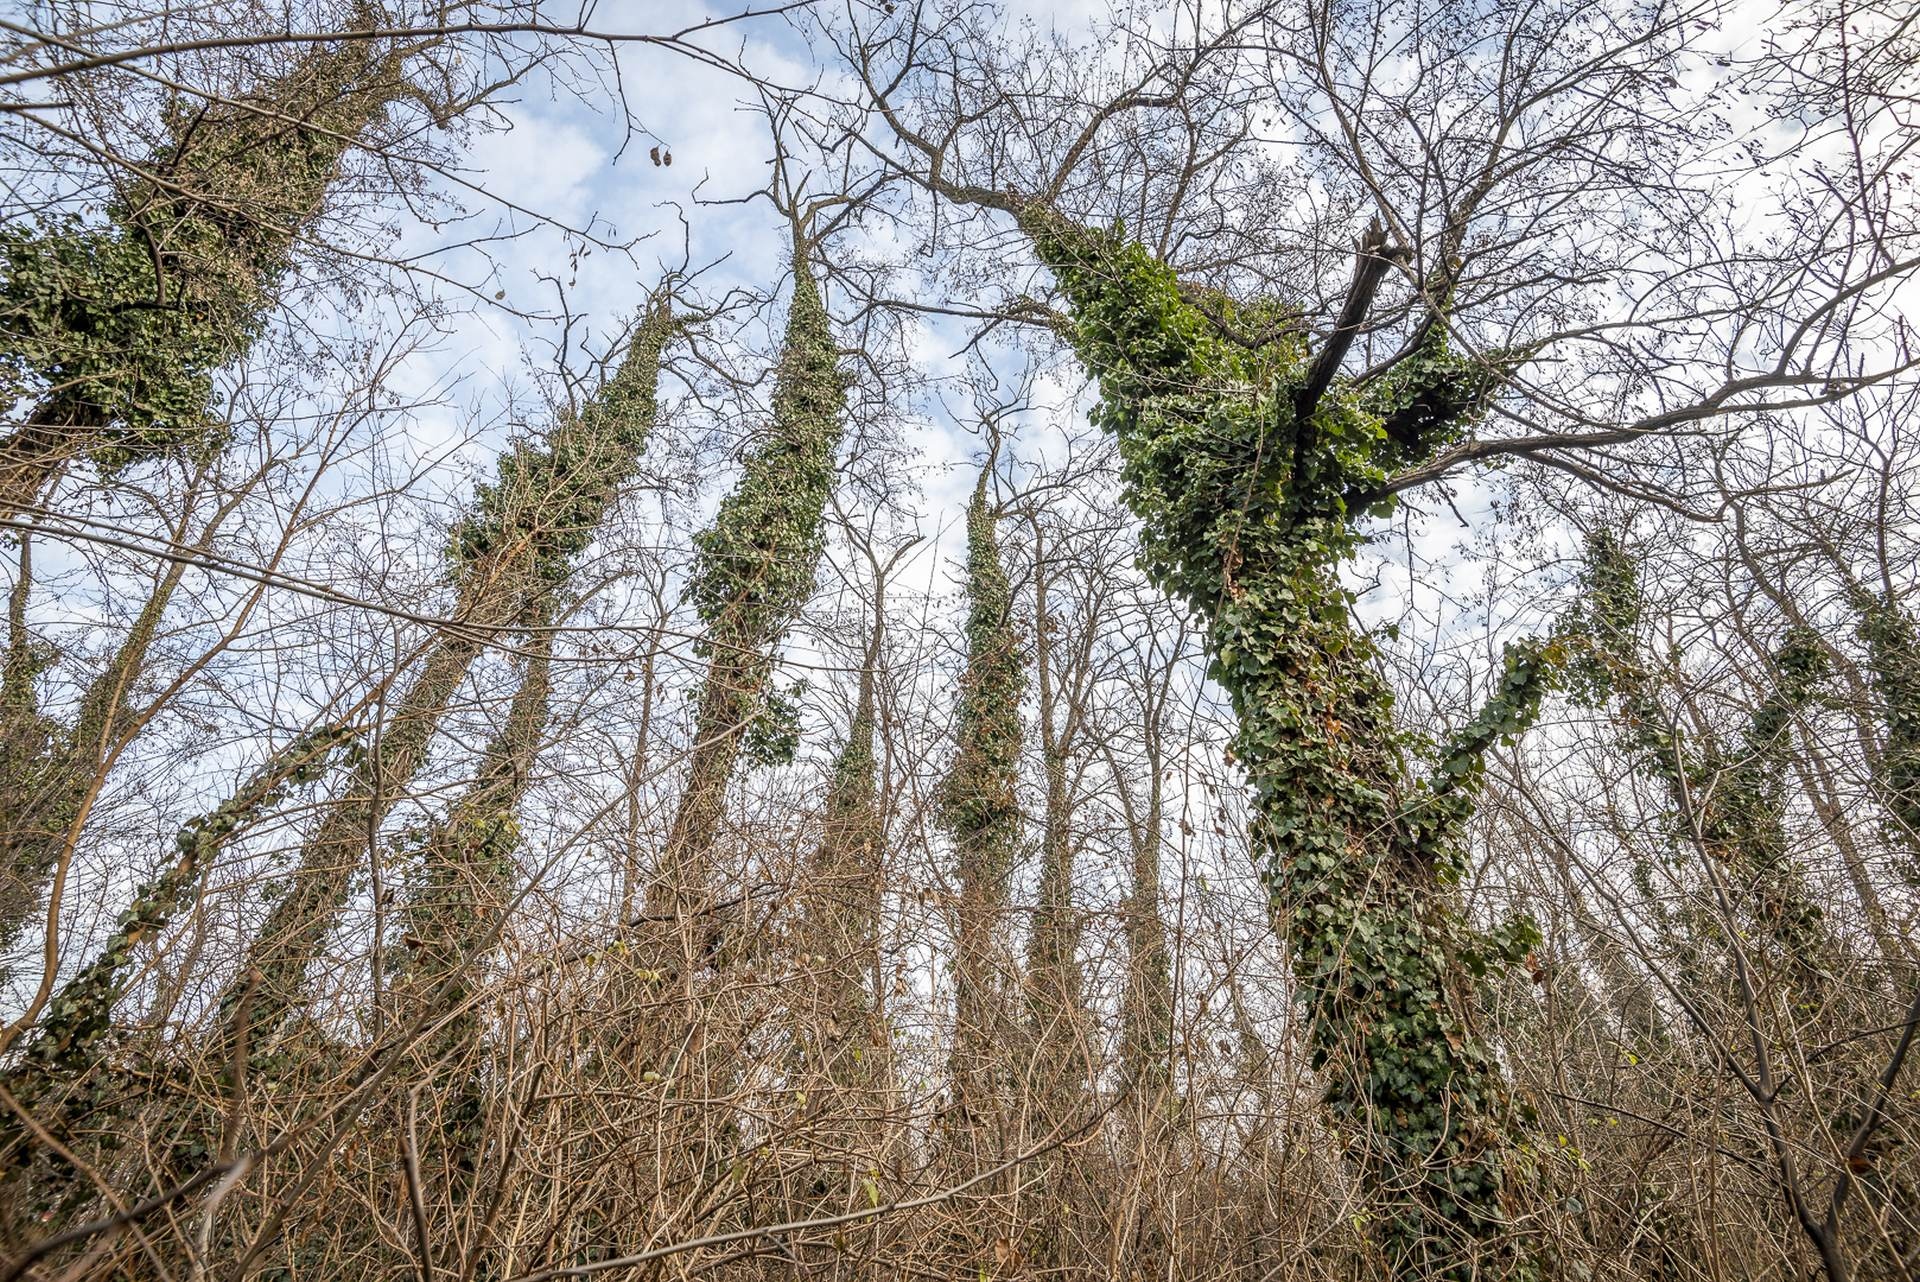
(567, 157)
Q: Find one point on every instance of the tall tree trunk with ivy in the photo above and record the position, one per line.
(1887, 1184)
(1146, 1007)
(70, 1077)
(1251, 468)
(1055, 997)
(115, 329)
(114, 332)
(459, 891)
(1730, 806)
(754, 570)
(509, 555)
(463, 879)
(1055, 990)
(48, 771)
(840, 1065)
(980, 812)
(1893, 654)
(1731, 803)
(841, 1045)
(1057, 1043)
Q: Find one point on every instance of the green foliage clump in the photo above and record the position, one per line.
(1248, 511)
(773, 737)
(87, 319)
(977, 802)
(549, 495)
(116, 327)
(755, 564)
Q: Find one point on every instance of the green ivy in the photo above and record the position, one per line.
(550, 493)
(773, 737)
(978, 807)
(510, 555)
(836, 1039)
(754, 566)
(117, 327)
(82, 322)
(458, 891)
(977, 802)
(1735, 800)
(756, 562)
(1247, 515)
(78, 1022)
(1893, 654)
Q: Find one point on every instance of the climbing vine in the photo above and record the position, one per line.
(1731, 803)
(851, 837)
(507, 558)
(550, 493)
(755, 564)
(116, 327)
(467, 867)
(978, 806)
(74, 1033)
(458, 893)
(834, 1028)
(1249, 503)
(756, 561)
(1893, 654)
(977, 799)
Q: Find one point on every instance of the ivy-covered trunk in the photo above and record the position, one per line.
(1057, 1043)
(980, 813)
(1055, 999)
(115, 329)
(67, 1077)
(1250, 468)
(68, 1036)
(49, 772)
(840, 1064)
(509, 555)
(1893, 653)
(754, 570)
(1146, 1008)
(272, 978)
(114, 332)
(1731, 804)
(465, 872)
(841, 1043)
(458, 897)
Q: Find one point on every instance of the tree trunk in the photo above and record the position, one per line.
(1243, 490)
(513, 550)
(980, 813)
